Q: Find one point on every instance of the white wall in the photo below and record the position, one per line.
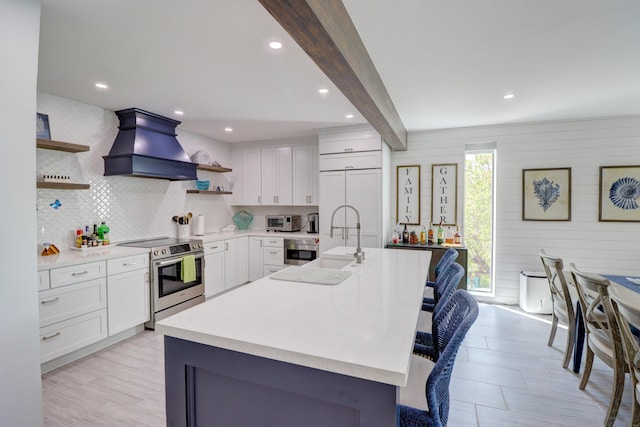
(132, 207)
(20, 390)
(582, 145)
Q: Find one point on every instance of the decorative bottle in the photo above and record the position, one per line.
(423, 236)
(405, 235)
(103, 233)
(440, 234)
(430, 234)
(457, 238)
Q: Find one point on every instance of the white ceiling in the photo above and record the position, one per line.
(444, 63)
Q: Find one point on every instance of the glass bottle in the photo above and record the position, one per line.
(423, 236)
(430, 234)
(440, 234)
(103, 233)
(448, 237)
(405, 235)
(457, 238)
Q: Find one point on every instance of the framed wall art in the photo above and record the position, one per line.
(42, 126)
(444, 193)
(619, 194)
(408, 194)
(546, 194)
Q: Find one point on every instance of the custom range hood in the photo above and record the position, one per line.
(146, 146)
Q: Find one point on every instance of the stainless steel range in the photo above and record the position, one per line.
(169, 291)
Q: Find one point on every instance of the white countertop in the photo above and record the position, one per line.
(217, 236)
(68, 257)
(363, 327)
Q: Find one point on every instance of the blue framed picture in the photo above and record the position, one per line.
(42, 126)
(619, 194)
(546, 194)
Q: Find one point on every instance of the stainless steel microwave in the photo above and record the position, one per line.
(282, 223)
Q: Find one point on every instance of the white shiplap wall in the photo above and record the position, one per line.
(582, 145)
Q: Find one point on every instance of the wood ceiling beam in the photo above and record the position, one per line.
(324, 30)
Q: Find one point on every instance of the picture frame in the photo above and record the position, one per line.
(619, 194)
(408, 194)
(444, 193)
(42, 126)
(546, 194)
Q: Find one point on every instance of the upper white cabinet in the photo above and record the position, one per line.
(276, 170)
(251, 177)
(305, 175)
(353, 168)
(277, 174)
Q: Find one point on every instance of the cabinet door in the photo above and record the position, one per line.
(66, 302)
(364, 192)
(214, 272)
(127, 300)
(251, 177)
(230, 263)
(332, 195)
(305, 175)
(285, 174)
(276, 176)
(256, 257)
(269, 176)
(243, 260)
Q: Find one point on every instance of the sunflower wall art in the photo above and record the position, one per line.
(619, 193)
(546, 194)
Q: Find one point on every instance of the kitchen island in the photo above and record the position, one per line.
(277, 352)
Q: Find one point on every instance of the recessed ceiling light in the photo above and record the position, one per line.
(101, 85)
(228, 129)
(509, 96)
(275, 45)
(349, 116)
(179, 112)
(323, 90)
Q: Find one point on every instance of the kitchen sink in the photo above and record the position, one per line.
(334, 262)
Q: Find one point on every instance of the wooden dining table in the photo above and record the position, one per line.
(624, 287)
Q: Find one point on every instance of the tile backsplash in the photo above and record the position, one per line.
(132, 207)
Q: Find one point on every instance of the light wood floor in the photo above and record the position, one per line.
(505, 375)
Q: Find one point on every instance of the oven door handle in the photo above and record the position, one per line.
(174, 261)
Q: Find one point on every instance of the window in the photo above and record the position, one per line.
(479, 213)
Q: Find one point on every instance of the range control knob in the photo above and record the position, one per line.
(155, 253)
(164, 251)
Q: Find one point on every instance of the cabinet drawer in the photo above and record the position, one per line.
(64, 337)
(273, 242)
(43, 280)
(64, 303)
(268, 269)
(77, 273)
(273, 256)
(130, 263)
(368, 160)
(214, 247)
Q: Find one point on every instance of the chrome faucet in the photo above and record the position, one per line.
(359, 254)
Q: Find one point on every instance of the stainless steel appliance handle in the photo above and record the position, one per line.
(174, 260)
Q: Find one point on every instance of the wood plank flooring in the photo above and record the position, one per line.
(505, 375)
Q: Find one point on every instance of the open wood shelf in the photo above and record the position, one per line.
(214, 168)
(207, 192)
(62, 185)
(50, 144)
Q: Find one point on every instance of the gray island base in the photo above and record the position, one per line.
(211, 386)
(291, 353)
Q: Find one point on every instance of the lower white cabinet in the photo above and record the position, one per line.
(128, 292)
(225, 265)
(236, 267)
(73, 312)
(213, 268)
(266, 256)
(69, 335)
